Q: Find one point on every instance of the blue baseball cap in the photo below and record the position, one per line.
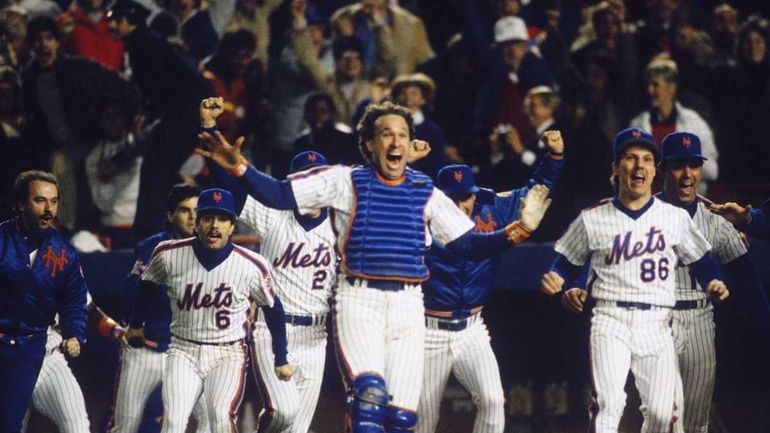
(305, 160)
(216, 200)
(456, 179)
(633, 137)
(681, 145)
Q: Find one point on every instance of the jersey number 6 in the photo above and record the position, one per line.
(222, 319)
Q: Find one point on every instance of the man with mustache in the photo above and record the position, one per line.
(40, 276)
(385, 215)
(209, 283)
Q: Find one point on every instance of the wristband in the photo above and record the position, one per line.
(556, 156)
(211, 130)
(516, 233)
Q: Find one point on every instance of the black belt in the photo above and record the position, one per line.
(206, 343)
(388, 285)
(688, 305)
(305, 320)
(633, 305)
(457, 325)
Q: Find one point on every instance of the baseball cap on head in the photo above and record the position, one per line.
(456, 179)
(509, 29)
(305, 160)
(681, 145)
(216, 200)
(633, 137)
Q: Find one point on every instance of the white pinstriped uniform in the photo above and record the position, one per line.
(633, 260)
(207, 307)
(304, 266)
(376, 331)
(694, 328)
(140, 373)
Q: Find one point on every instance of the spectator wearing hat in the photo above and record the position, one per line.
(171, 88)
(252, 15)
(512, 69)
(380, 25)
(415, 92)
(87, 34)
(666, 115)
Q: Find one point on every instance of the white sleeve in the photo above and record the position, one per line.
(262, 285)
(156, 272)
(709, 149)
(445, 220)
(573, 244)
(729, 243)
(322, 187)
(257, 216)
(692, 244)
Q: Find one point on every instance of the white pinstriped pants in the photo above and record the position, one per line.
(140, 373)
(216, 372)
(381, 332)
(468, 355)
(289, 406)
(694, 338)
(640, 341)
(58, 396)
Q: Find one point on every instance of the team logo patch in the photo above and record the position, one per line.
(636, 133)
(217, 197)
(686, 141)
(311, 157)
(458, 176)
(487, 226)
(54, 262)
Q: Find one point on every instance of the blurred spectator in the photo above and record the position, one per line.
(16, 156)
(61, 97)
(507, 8)
(620, 49)
(112, 169)
(200, 28)
(87, 34)
(13, 32)
(379, 25)
(666, 115)
(237, 77)
(291, 83)
(656, 34)
(252, 15)
(513, 71)
(415, 92)
(172, 89)
(37, 8)
(325, 134)
(724, 32)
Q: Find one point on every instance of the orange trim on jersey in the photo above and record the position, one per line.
(150, 343)
(391, 182)
(262, 268)
(345, 239)
(174, 244)
(448, 314)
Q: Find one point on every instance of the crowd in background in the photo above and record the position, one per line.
(105, 95)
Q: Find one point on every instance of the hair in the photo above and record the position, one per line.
(315, 98)
(546, 94)
(135, 13)
(366, 129)
(601, 11)
(40, 24)
(24, 179)
(233, 41)
(342, 45)
(757, 25)
(180, 192)
(663, 68)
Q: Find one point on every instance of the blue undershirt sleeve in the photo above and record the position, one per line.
(478, 246)
(275, 318)
(705, 270)
(147, 296)
(269, 191)
(574, 276)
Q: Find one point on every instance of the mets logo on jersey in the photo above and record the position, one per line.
(54, 262)
(623, 248)
(217, 197)
(487, 226)
(318, 257)
(192, 299)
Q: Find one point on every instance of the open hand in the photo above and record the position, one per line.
(574, 299)
(70, 347)
(533, 207)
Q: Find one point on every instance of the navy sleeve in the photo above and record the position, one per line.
(147, 295)
(222, 179)
(267, 190)
(72, 304)
(747, 291)
(548, 173)
(759, 227)
(574, 276)
(478, 246)
(276, 324)
(705, 270)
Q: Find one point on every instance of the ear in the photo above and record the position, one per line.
(170, 217)
(368, 144)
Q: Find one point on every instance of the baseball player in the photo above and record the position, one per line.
(40, 276)
(140, 369)
(209, 282)
(381, 214)
(634, 243)
(457, 340)
(693, 317)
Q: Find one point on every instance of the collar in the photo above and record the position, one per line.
(691, 207)
(670, 120)
(418, 117)
(633, 214)
(210, 259)
(33, 240)
(309, 223)
(544, 127)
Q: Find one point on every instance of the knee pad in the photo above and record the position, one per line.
(399, 420)
(368, 403)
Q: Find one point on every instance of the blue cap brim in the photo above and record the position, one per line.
(457, 191)
(674, 157)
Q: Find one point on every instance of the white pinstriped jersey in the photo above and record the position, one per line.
(210, 306)
(633, 259)
(332, 187)
(304, 262)
(727, 244)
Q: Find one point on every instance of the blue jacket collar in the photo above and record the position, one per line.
(210, 259)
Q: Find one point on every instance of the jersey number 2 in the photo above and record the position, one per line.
(648, 268)
(319, 277)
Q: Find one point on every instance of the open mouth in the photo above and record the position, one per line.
(46, 219)
(637, 179)
(213, 236)
(686, 187)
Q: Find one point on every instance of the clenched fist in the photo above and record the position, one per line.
(553, 142)
(551, 283)
(284, 372)
(209, 110)
(70, 347)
